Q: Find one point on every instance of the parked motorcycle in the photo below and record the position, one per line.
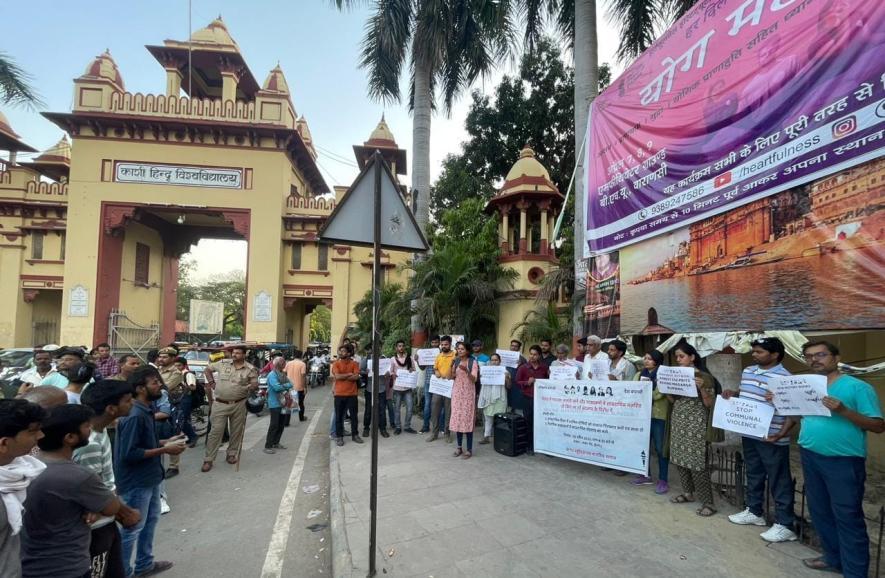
(318, 371)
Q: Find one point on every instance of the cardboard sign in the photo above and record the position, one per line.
(563, 372)
(492, 374)
(407, 379)
(677, 381)
(741, 415)
(596, 369)
(508, 358)
(441, 387)
(800, 394)
(427, 357)
(383, 366)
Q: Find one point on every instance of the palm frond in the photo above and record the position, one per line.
(15, 84)
(635, 21)
(385, 47)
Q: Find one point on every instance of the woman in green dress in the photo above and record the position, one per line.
(691, 431)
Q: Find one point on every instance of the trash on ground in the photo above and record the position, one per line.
(309, 489)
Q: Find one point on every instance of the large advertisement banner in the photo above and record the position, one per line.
(605, 423)
(739, 100)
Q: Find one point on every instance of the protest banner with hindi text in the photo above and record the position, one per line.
(800, 394)
(492, 374)
(596, 368)
(677, 381)
(407, 379)
(508, 358)
(744, 416)
(441, 387)
(610, 431)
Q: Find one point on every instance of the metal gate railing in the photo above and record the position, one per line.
(127, 336)
(44, 332)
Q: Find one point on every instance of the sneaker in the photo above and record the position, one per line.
(432, 437)
(357, 439)
(662, 487)
(747, 518)
(340, 442)
(165, 508)
(384, 433)
(484, 441)
(365, 432)
(270, 451)
(423, 430)
(779, 533)
(156, 568)
(642, 481)
(410, 430)
(397, 431)
(280, 447)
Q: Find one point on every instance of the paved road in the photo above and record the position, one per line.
(255, 522)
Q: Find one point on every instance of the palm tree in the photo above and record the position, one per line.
(545, 322)
(15, 84)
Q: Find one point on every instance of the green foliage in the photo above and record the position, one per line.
(229, 288)
(393, 322)
(15, 84)
(545, 322)
(321, 324)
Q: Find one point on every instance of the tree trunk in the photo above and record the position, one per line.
(421, 165)
(586, 89)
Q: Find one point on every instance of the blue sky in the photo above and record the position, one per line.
(317, 47)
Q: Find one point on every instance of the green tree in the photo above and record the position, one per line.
(15, 84)
(321, 324)
(394, 320)
(544, 322)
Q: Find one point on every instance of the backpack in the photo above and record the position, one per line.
(470, 361)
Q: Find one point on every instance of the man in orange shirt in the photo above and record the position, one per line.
(346, 373)
(296, 369)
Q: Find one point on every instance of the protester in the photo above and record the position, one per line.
(183, 409)
(20, 423)
(621, 368)
(346, 374)
(492, 400)
(278, 385)
(547, 356)
(767, 461)
(106, 365)
(42, 369)
(138, 470)
(236, 380)
(691, 432)
(65, 358)
(660, 416)
(128, 362)
(296, 369)
(582, 350)
(465, 372)
(442, 369)
(428, 397)
(526, 376)
(834, 453)
(402, 362)
(55, 539)
(514, 394)
(562, 359)
(108, 399)
(78, 376)
(384, 410)
(476, 352)
(594, 352)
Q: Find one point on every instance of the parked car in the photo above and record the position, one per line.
(14, 362)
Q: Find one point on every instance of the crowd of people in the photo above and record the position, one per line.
(82, 445)
(833, 448)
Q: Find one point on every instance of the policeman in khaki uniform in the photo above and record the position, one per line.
(172, 380)
(232, 381)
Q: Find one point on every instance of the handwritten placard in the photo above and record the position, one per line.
(508, 358)
(677, 381)
(492, 374)
(596, 369)
(800, 394)
(406, 379)
(427, 357)
(563, 372)
(441, 387)
(740, 415)
(383, 366)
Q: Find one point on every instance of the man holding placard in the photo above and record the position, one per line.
(768, 458)
(426, 359)
(442, 369)
(526, 376)
(834, 453)
(596, 361)
(404, 377)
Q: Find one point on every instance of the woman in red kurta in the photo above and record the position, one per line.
(465, 371)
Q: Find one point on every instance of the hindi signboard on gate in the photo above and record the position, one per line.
(185, 176)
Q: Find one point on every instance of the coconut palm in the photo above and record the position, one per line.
(448, 44)
(15, 84)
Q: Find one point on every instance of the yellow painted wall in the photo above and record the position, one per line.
(16, 315)
(141, 304)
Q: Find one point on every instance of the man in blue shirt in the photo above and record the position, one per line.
(834, 463)
(768, 458)
(138, 468)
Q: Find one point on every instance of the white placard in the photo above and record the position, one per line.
(741, 415)
(383, 365)
(610, 430)
(407, 379)
(492, 374)
(441, 387)
(799, 394)
(78, 302)
(563, 372)
(596, 368)
(508, 358)
(215, 177)
(427, 357)
(677, 381)
(456, 339)
(206, 316)
(262, 308)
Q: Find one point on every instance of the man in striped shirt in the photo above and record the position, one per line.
(767, 458)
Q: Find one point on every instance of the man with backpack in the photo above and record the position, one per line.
(442, 369)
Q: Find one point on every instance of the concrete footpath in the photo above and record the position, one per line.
(496, 516)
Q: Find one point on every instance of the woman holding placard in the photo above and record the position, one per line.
(492, 400)
(660, 416)
(465, 371)
(692, 431)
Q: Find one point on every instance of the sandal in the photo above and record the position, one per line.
(206, 467)
(819, 563)
(231, 460)
(457, 453)
(706, 511)
(681, 499)
(467, 455)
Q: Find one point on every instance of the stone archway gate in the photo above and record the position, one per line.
(127, 336)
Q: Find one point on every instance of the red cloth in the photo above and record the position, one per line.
(526, 371)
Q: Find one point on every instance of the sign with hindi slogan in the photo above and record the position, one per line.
(427, 357)
(610, 431)
(744, 416)
(492, 374)
(800, 394)
(677, 381)
(563, 372)
(596, 368)
(406, 379)
(738, 100)
(383, 365)
(508, 358)
(441, 387)
(217, 177)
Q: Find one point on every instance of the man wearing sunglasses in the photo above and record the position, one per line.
(834, 453)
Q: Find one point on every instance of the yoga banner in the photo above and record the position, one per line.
(737, 101)
(605, 423)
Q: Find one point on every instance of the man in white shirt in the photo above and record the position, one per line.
(594, 353)
(621, 368)
(42, 369)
